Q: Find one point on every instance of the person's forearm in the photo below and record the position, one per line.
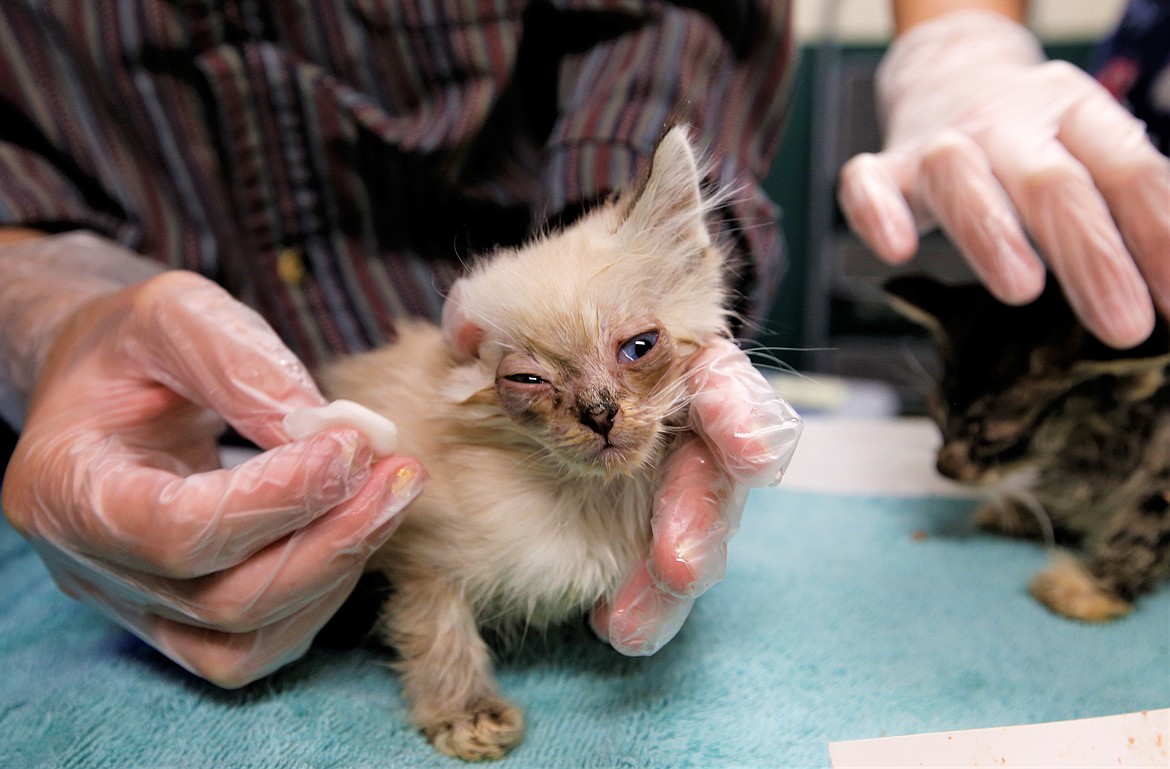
(910, 13)
(43, 278)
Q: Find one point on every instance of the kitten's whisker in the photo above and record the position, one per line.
(463, 261)
(540, 452)
(672, 430)
(1015, 488)
(924, 383)
(763, 358)
(747, 226)
(777, 348)
(677, 388)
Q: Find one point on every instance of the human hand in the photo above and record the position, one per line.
(117, 484)
(986, 139)
(745, 436)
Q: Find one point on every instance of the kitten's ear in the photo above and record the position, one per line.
(668, 210)
(460, 333)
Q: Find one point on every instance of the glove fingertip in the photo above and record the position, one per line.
(876, 209)
(640, 635)
(671, 573)
(599, 619)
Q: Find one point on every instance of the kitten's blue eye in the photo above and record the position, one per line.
(638, 346)
(528, 379)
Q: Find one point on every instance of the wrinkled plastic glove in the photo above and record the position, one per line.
(986, 139)
(116, 480)
(744, 436)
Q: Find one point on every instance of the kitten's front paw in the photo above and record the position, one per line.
(1067, 588)
(486, 730)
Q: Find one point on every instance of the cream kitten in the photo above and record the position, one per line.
(542, 410)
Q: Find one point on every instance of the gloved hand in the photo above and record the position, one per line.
(745, 436)
(986, 139)
(116, 479)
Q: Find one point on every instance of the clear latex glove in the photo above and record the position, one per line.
(745, 436)
(986, 139)
(42, 278)
(117, 484)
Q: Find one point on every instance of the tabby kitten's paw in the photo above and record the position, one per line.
(1067, 588)
(486, 730)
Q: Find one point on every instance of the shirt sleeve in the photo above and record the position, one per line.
(62, 146)
(38, 191)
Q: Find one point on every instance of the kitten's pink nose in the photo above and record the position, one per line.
(599, 418)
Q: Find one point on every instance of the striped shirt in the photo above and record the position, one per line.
(333, 163)
(1134, 64)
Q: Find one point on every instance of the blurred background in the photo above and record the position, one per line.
(831, 321)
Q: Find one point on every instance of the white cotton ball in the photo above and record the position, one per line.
(378, 430)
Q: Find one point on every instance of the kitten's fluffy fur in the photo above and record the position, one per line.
(1029, 387)
(541, 409)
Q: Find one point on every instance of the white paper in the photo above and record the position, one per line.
(1131, 740)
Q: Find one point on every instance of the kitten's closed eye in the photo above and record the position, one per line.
(637, 347)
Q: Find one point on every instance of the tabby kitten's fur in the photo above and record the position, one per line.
(1029, 387)
(541, 409)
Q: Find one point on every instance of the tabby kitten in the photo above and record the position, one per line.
(541, 409)
(1029, 387)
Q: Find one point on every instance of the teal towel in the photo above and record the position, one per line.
(841, 617)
